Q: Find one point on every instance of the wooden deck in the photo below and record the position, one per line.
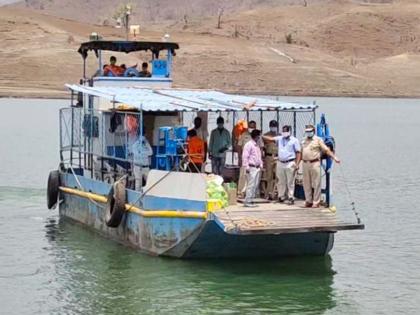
(279, 218)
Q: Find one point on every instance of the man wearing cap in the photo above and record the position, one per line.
(270, 159)
(289, 155)
(312, 148)
(252, 162)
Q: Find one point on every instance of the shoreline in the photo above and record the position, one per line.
(65, 95)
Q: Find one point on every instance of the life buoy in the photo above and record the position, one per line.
(53, 189)
(115, 206)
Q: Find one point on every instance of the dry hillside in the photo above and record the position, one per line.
(100, 11)
(339, 48)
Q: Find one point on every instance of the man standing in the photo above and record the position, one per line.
(270, 158)
(195, 149)
(242, 141)
(219, 144)
(288, 162)
(142, 152)
(312, 147)
(201, 133)
(252, 162)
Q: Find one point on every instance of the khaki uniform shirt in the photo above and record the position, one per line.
(270, 146)
(245, 137)
(312, 148)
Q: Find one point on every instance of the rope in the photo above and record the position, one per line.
(352, 203)
(83, 189)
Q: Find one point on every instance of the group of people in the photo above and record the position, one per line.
(283, 155)
(275, 155)
(112, 69)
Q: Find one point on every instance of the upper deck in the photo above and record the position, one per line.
(159, 64)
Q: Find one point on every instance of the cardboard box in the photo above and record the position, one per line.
(232, 193)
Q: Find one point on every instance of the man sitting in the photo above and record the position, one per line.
(112, 69)
(144, 73)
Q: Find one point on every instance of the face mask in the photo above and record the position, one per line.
(220, 126)
(251, 129)
(310, 134)
(273, 129)
(285, 134)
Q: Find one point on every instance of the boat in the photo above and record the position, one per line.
(171, 213)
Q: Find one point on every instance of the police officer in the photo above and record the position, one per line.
(289, 155)
(312, 148)
(270, 157)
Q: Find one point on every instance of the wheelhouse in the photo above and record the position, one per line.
(159, 61)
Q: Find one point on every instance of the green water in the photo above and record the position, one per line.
(48, 266)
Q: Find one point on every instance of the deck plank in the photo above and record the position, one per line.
(278, 218)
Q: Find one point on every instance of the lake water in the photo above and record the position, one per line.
(53, 267)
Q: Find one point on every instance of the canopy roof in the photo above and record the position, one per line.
(126, 46)
(175, 100)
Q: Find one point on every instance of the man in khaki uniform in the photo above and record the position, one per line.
(270, 149)
(312, 148)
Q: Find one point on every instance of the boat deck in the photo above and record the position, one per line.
(279, 218)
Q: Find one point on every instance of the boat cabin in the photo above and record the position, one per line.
(99, 138)
(159, 64)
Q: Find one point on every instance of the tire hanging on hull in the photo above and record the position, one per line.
(115, 206)
(53, 187)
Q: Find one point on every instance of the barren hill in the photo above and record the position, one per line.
(100, 11)
(338, 48)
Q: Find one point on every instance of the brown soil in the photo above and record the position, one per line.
(343, 49)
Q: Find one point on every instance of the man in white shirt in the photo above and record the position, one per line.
(289, 156)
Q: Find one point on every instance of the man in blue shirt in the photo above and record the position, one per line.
(289, 156)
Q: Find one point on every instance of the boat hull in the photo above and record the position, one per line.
(184, 237)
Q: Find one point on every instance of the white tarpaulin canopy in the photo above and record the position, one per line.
(155, 100)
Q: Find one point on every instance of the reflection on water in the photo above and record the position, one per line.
(116, 278)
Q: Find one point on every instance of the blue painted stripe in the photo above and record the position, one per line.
(162, 203)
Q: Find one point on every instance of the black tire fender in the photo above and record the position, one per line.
(115, 206)
(53, 187)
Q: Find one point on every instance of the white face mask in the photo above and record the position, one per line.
(273, 129)
(250, 129)
(286, 134)
(310, 134)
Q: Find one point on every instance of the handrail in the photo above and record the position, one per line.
(134, 209)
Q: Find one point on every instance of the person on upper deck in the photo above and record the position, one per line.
(112, 69)
(219, 144)
(144, 73)
(312, 148)
(252, 162)
(196, 151)
(289, 156)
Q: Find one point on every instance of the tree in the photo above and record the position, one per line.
(219, 17)
(122, 12)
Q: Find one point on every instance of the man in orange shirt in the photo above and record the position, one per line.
(196, 151)
(112, 68)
